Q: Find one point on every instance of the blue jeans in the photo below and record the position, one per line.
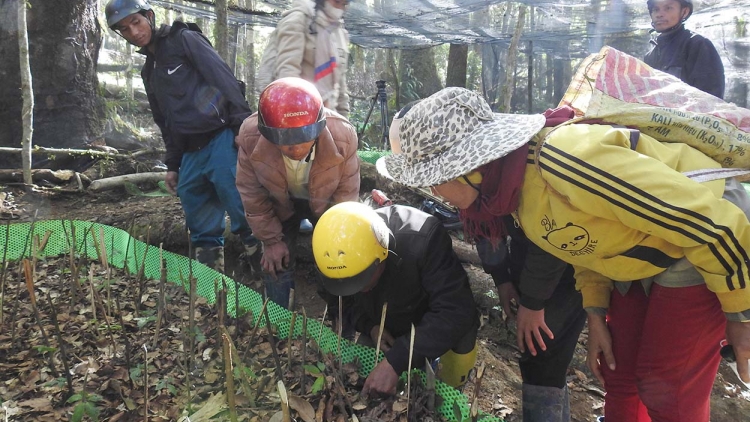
(207, 191)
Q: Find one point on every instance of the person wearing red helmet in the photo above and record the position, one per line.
(296, 158)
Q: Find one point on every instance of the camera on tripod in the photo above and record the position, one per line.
(380, 98)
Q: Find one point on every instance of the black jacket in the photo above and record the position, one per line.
(424, 284)
(192, 92)
(690, 57)
(534, 272)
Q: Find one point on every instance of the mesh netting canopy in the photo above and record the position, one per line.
(416, 23)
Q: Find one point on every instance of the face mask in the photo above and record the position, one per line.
(332, 12)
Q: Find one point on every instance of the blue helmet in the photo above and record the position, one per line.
(118, 10)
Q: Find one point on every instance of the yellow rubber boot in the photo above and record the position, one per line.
(455, 367)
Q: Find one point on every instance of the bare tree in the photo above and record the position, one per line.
(507, 92)
(458, 56)
(64, 38)
(27, 111)
(221, 32)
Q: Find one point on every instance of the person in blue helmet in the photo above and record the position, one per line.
(199, 106)
(681, 52)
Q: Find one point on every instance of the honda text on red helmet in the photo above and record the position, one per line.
(290, 112)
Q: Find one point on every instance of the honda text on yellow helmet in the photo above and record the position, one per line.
(349, 243)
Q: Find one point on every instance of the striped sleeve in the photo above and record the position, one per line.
(596, 170)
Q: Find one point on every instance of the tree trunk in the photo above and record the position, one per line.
(26, 92)
(458, 57)
(508, 87)
(417, 74)
(221, 32)
(64, 40)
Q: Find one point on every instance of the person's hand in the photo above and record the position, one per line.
(386, 342)
(600, 346)
(738, 335)
(275, 258)
(170, 181)
(507, 292)
(530, 324)
(381, 381)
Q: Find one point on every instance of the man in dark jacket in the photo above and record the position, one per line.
(198, 104)
(681, 52)
(403, 257)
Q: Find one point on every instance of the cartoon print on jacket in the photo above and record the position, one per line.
(570, 238)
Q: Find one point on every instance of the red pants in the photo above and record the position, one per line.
(666, 348)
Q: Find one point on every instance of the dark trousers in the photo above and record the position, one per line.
(565, 316)
(278, 290)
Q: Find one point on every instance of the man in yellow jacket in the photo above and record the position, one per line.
(616, 205)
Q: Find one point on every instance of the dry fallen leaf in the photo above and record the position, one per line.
(303, 408)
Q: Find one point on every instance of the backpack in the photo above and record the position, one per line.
(179, 26)
(614, 87)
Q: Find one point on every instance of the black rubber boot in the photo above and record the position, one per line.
(545, 404)
(211, 257)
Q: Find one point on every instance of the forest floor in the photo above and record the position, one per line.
(501, 386)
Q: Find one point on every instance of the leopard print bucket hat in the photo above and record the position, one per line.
(451, 133)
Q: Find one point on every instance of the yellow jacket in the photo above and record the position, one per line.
(619, 214)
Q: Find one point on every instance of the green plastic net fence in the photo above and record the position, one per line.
(372, 156)
(123, 251)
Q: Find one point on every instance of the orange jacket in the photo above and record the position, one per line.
(261, 175)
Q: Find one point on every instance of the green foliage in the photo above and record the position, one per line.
(86, 406)
(136, 372)
(167, 384)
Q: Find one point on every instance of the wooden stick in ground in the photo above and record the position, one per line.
(275, 352)
(291, 299)
(140, 278)
(251, 341)
(127, 343)
(408, 374)
(61, 342)
(30, 287)
(5, 271)
(304, 351)
(322, 324)
(285, 415)
(244, 379)
(229, 376)
(430, 384)
(474, 411)
(145, 381)
(96, 302)
(289, 340)
(380, 332)
(191, 319)
(161, 305)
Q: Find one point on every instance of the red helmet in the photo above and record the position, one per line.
(290, 112)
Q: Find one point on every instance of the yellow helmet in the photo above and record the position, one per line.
(349, 242)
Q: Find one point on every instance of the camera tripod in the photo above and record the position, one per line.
(381, 99)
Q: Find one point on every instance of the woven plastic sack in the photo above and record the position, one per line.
(614, 87)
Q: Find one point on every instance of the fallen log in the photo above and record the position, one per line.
(37, 175)
(89, 152)
(117, 181)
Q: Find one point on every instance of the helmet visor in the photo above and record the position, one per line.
(291, 135)
(348, 286)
